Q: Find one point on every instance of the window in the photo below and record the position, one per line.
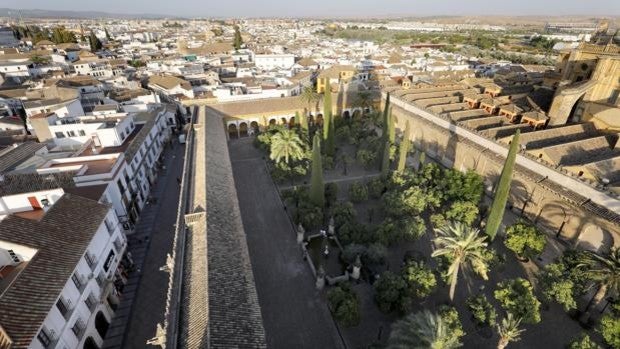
(90, 302)
(82, 133)
(90, 260)
(59, 135)
(76, 281)
(109, 225)
(78, 328)
(14, 256)
(71, 133)
(44, 337)
(62, 307)
(122, 135)
(121, 187)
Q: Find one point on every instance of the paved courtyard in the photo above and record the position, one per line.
(293, 313)
(144, 297)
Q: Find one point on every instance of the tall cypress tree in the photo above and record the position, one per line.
(391, 127)
(496, 214)
(95, 43)
(385, 134)
(317, 187)
(328, 124)
(238, 40)
(385, 160)
(404, 149)
(327, 113)
(386, 111)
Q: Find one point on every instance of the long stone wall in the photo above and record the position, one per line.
(536, 193)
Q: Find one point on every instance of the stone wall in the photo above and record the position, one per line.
(536, 197)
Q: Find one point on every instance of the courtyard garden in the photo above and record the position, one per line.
(429, 260)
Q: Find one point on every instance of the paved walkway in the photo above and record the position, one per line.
(144, 296)
(294, 315)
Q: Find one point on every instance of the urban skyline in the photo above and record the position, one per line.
(340, 9)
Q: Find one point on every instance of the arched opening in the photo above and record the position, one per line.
(291, 122)
(319, 120)
(284, 121)
(356, 114)
(90, 343)
(346, 115)
(311, 120)
(577, 111)
(232, 131)
(101, 324)
(272, 122)
(243, 129)
(254, 126)
(595, 239)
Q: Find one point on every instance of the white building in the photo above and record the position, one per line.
(62, 280)
(270, 62)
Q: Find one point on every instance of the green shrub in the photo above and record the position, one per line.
(344, 303)
(331, 193)
(462, 211)
(556, 285)
(391, 293)
(375, 188)
(343, 212)
(373, 254)
(309, 216)
(609, 328)
(354, 232)
(583, 342)
(525, 240)
(483, 312)
(413, 228)
(438, 220)
(366, 158)
(388, 232)
(419, 278)
(516, 296)
(450, 317)
(358, 192)
(343, 134)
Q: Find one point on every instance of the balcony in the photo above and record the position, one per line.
(91, 261)
(65, 308)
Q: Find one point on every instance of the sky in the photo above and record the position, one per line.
(329, 8)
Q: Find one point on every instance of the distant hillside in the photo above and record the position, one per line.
(8, 12)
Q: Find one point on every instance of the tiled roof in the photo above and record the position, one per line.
(12, 157)
(29, 182)
(68, 226)
(149, 119)
(168, 82)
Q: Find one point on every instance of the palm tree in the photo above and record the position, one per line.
(422, 330)
(508, 331)
(604, 271)
(310, 96)
(464, 248)
(286, 144)
(363, 100)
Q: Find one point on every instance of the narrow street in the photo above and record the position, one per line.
(144, 297)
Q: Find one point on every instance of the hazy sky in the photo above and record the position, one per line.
(327, 8)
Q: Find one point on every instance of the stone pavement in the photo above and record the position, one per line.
(294, 315)
(144, 297)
